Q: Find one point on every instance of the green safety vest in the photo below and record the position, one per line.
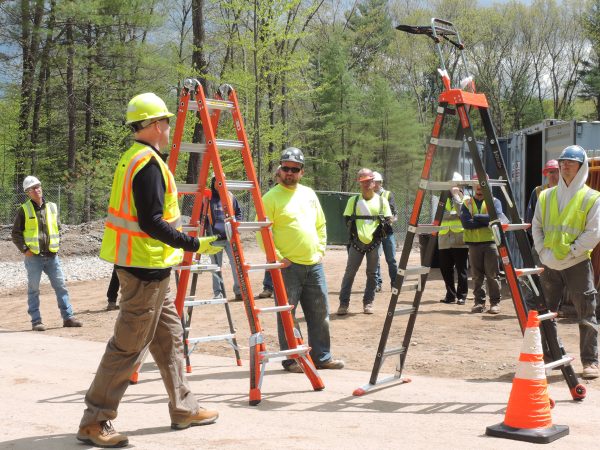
(124, 243)
(455, 225)
(483, 234)
(561, 229)
(31, 231)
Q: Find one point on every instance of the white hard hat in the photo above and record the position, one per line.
(377, 176)
(457, 177)
(30, 181)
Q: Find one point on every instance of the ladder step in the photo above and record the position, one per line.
(253, 226)
(549, 315)
(274, 309)
(445, 185)
(221, 337)
(283, 354)
(199, 268)
(222, 144)
(561, 362)
(426, 229)
(411, 286)
(267, 266)
(394, 351)
(528, 271)
(413, 270)
(212, 104)
(184, 188)
(188, 228)
(403, 312)
(450, 143)
(192, 301)
(240, 185)
(515, 226)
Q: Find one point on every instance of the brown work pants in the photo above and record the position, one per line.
(147, 320)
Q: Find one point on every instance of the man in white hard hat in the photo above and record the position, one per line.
(142, 238)
(388, 242)
(36, 234)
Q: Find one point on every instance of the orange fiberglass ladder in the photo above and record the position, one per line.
(459, 102)
(208, 111)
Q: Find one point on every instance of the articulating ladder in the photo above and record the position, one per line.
(459, 102)
(208, 111)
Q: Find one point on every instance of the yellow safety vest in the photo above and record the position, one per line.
(455, 225)
(31, 231)
(561, 229)
(483, 234)
(124, 243)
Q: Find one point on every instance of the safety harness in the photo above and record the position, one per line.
(382, 230)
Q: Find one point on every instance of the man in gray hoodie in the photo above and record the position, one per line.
(565, 229)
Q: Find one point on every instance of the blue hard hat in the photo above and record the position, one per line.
(573, 153)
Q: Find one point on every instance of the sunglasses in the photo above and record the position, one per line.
(291, 169)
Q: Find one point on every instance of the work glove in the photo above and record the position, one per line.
(206, 247)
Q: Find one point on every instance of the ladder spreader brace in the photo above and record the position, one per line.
(208, 111)
(463, 101)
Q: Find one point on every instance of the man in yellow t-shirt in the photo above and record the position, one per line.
(300, 237)
(367, 215)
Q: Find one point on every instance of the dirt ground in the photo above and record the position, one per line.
(448, 341)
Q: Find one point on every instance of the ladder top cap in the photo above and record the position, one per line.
(426, 29)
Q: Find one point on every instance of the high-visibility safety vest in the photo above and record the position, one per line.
(124, 243)
(454, 224)
(561, 229)
(483, 234)
(31, 231)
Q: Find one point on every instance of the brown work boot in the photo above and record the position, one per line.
(72, 322)
(38, 326)
(202, 417)
(102, 435)
(294, 367)
(266, 293)
(590, 371)
(112, 306)
(332, 364)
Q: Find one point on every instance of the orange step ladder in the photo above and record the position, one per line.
(208, 112)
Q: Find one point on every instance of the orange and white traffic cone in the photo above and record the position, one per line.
(527, 415)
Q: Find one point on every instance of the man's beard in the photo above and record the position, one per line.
(289, 182)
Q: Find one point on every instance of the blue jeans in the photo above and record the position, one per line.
(267, 281)
(388, 244)
(50, 265)
(307, 286)
(355, 259)
(217, 278)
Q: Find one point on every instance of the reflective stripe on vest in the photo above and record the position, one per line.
(483, 234)
(455, 224)
(31, 231)
(124, 243)
(562, 229)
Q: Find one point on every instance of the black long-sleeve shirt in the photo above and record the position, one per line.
(19, 227)
(149, 194)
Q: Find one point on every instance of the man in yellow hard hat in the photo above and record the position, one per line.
(142, 238)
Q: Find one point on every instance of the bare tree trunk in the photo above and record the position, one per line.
(256, 144)
(71, 143)
(89, 148)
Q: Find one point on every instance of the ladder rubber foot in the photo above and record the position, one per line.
(188, 369)
(255, 397)
(359, 392)
(578, 392)
(134, 378)
(239, 362)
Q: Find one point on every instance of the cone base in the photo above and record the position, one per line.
(535, 435)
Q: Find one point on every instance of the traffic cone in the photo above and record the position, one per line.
(527, 415)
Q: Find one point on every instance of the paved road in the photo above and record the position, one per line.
(44, 378)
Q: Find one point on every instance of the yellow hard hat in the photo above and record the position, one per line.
(146, 106)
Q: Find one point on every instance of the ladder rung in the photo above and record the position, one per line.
(188, 228)
(191, 301)
(528, 271)
(228, 144)
(450, 143)
(548, 315)
(413, 270)
(211, 104)
(198, 268)
(252, 226)
(408, 287)
(300, 350)
(402, 312)
(394, 351)
(274, 309)
(561, 362)
(426, 228)
(515, 226)
(189, 147)
(267, 266)
(184, 188)
(240, 185)
(445, 185)
(221, 337)
(222, 144)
